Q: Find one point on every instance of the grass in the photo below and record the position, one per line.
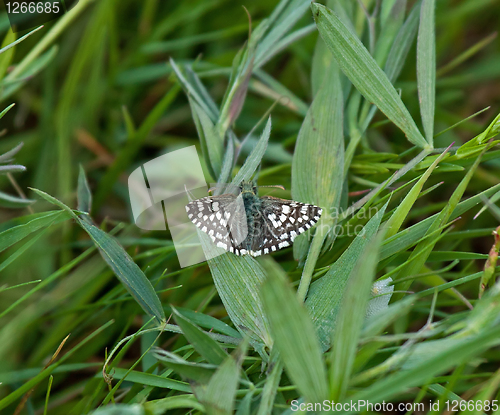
(385, 114)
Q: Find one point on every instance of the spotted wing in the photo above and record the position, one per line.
(281, 222)
(220, 217)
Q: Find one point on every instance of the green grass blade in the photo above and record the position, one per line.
(440, 362)
(426, 67)
(192, 91)
(198, 372)
(402, 240)
(8, 43)
(255, 157)
(5, 111)
(19, 392)
(83, 192)
(35, 67)
(398, 217)
(284, 22)
(270, 388)
(150, 379)
(392, 18)
(402, 44)
(161, 406)
(318, 160)
(20, 250)
(425, 247)
(350, 319)
(320, 182)
(375, 324)
(466, 55)
(477, 144)
(10, 236)
(227, 165)
(202, 343)
(220, 393)
(14, 202)
(295, 337)
(127, 271)
(132, 146)
(238, 281)
(209, 139)
(325, 295)
(359, 66)
(14, 41)
(49, 38)
(208, 322)
(121, 408)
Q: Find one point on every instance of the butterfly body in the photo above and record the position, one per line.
(248, 224)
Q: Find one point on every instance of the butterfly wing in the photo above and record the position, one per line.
(220, 217)
(281, 222)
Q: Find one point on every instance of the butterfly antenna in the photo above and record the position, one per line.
(278, 186)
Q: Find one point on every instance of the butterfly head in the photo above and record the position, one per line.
(248, 187)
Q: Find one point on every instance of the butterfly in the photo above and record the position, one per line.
(248, 224)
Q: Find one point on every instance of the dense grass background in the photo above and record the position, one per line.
(95, 89)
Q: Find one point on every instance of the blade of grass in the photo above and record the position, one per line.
(83, 191)
(398, 217)
(326, 293)
(362, 70)
(19, 392)
(127, 271)
(426, 67)
(321, 139)
(350, 319)
(220, 393)
(426, 245)
(202, 343)
(294, 337)
(255, 157)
